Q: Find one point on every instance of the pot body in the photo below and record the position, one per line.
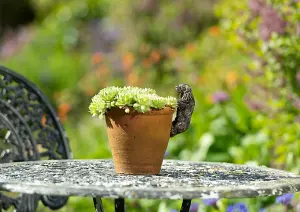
(138, 141)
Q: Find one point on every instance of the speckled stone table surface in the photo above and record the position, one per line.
(177, 180)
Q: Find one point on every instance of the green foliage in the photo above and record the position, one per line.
(164, 44)
(269, 30)
(54, 56)
(140, 99)
(155, 31)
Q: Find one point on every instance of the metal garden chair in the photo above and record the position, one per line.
(30, 130)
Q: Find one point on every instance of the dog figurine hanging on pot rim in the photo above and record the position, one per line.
(185, 109)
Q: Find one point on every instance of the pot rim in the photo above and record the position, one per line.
(164, 111)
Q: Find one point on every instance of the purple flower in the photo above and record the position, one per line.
(255, 105)
(297, 119)
(296, 103)
(173, 210)
(238, 207)
(220, 97)
(271, 22)
(256, 6)
(285, 199)
(298, 79)
(166, 154)
(262, 210)
(298, 28)
(210, 202)
(194, 207)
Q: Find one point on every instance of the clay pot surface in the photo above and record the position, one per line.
(138, 141)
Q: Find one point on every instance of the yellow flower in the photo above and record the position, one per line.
(209, 99)
(147, 63)
(63, 111)
(231, 79)
(171, 52)
(128, 61)
(44, 120)
(155, 56)
(191, 47)
(214, 31)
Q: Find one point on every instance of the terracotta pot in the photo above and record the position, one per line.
(138, 141)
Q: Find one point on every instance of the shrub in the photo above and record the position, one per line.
(269, 32)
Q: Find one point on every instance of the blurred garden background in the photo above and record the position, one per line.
(242, 59)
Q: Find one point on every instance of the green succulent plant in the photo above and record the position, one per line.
(129, 98)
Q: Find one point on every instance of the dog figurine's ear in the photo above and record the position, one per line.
(185, 109)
